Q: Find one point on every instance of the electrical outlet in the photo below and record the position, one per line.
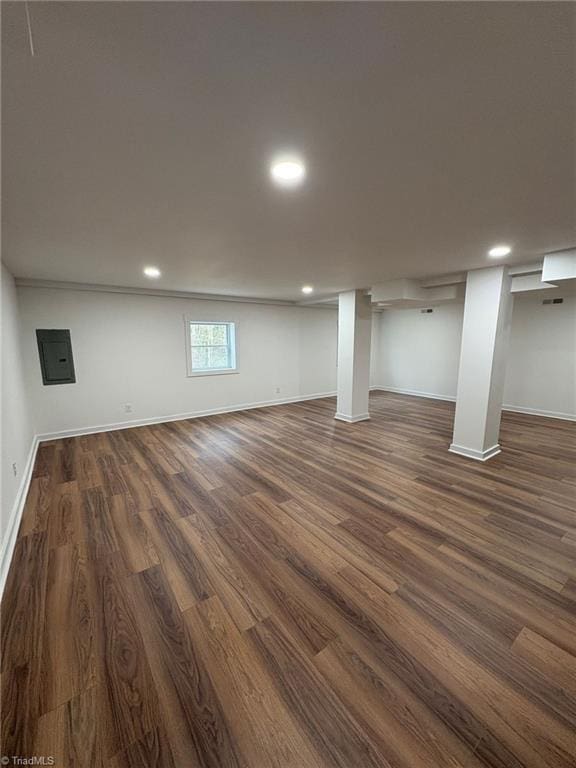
(15, 469)
(127, 407)
(277, 390)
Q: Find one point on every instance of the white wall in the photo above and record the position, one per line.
(131, 349)
(541, 371)
(420, 352)
(17, 430)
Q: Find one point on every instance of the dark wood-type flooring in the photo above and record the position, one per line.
(275, 589)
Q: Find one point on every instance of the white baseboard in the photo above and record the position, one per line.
(16, 515)
(472, 453)
(505, 407)
(539, 412)
(77, 432)
(352, 419)
(416, 393)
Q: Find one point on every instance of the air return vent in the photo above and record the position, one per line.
(426, 311)
(552, 301)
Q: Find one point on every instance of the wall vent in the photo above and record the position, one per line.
(552, 301)
(426, 311)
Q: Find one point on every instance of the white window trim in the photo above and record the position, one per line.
(216, 371)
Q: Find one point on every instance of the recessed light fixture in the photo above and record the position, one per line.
(288, 171)
(307, 289)
(499, 251)
(152, 272)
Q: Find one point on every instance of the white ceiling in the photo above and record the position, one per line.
(140, 133)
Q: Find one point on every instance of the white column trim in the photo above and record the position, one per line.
(352, 419)
(471, 453)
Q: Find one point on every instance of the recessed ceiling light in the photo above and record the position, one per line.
(288, 171)
(499, 250)
(152, 272)
(307, 289)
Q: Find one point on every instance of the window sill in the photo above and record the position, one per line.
(215, 372)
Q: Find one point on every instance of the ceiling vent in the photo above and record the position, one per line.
(552, 301)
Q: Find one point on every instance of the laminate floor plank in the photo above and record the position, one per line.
(37, 507)
(186, 574)
(23, 639)
(414, 738)
(64, 524)
(255, 708)
(232, 584)
(69, 664)
(331, 727)
(555, 663)
(196, 728)
(276, 589)
(152, 751)
(284, 595)
(133, 537)
(79, 733)
(129, 696)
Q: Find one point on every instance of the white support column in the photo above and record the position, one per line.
(354, 332)
(485, 331)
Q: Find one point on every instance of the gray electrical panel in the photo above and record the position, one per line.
(56, 362)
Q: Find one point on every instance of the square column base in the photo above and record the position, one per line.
(352, 419)
(472, 453)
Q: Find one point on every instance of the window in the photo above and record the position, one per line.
(210, 347)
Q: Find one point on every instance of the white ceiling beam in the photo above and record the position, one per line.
(529, 283)
(436, 282)
(320, 301)
(560, 266)
(25, 282)
(406, 291)
(525, 269)
(460, 277)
